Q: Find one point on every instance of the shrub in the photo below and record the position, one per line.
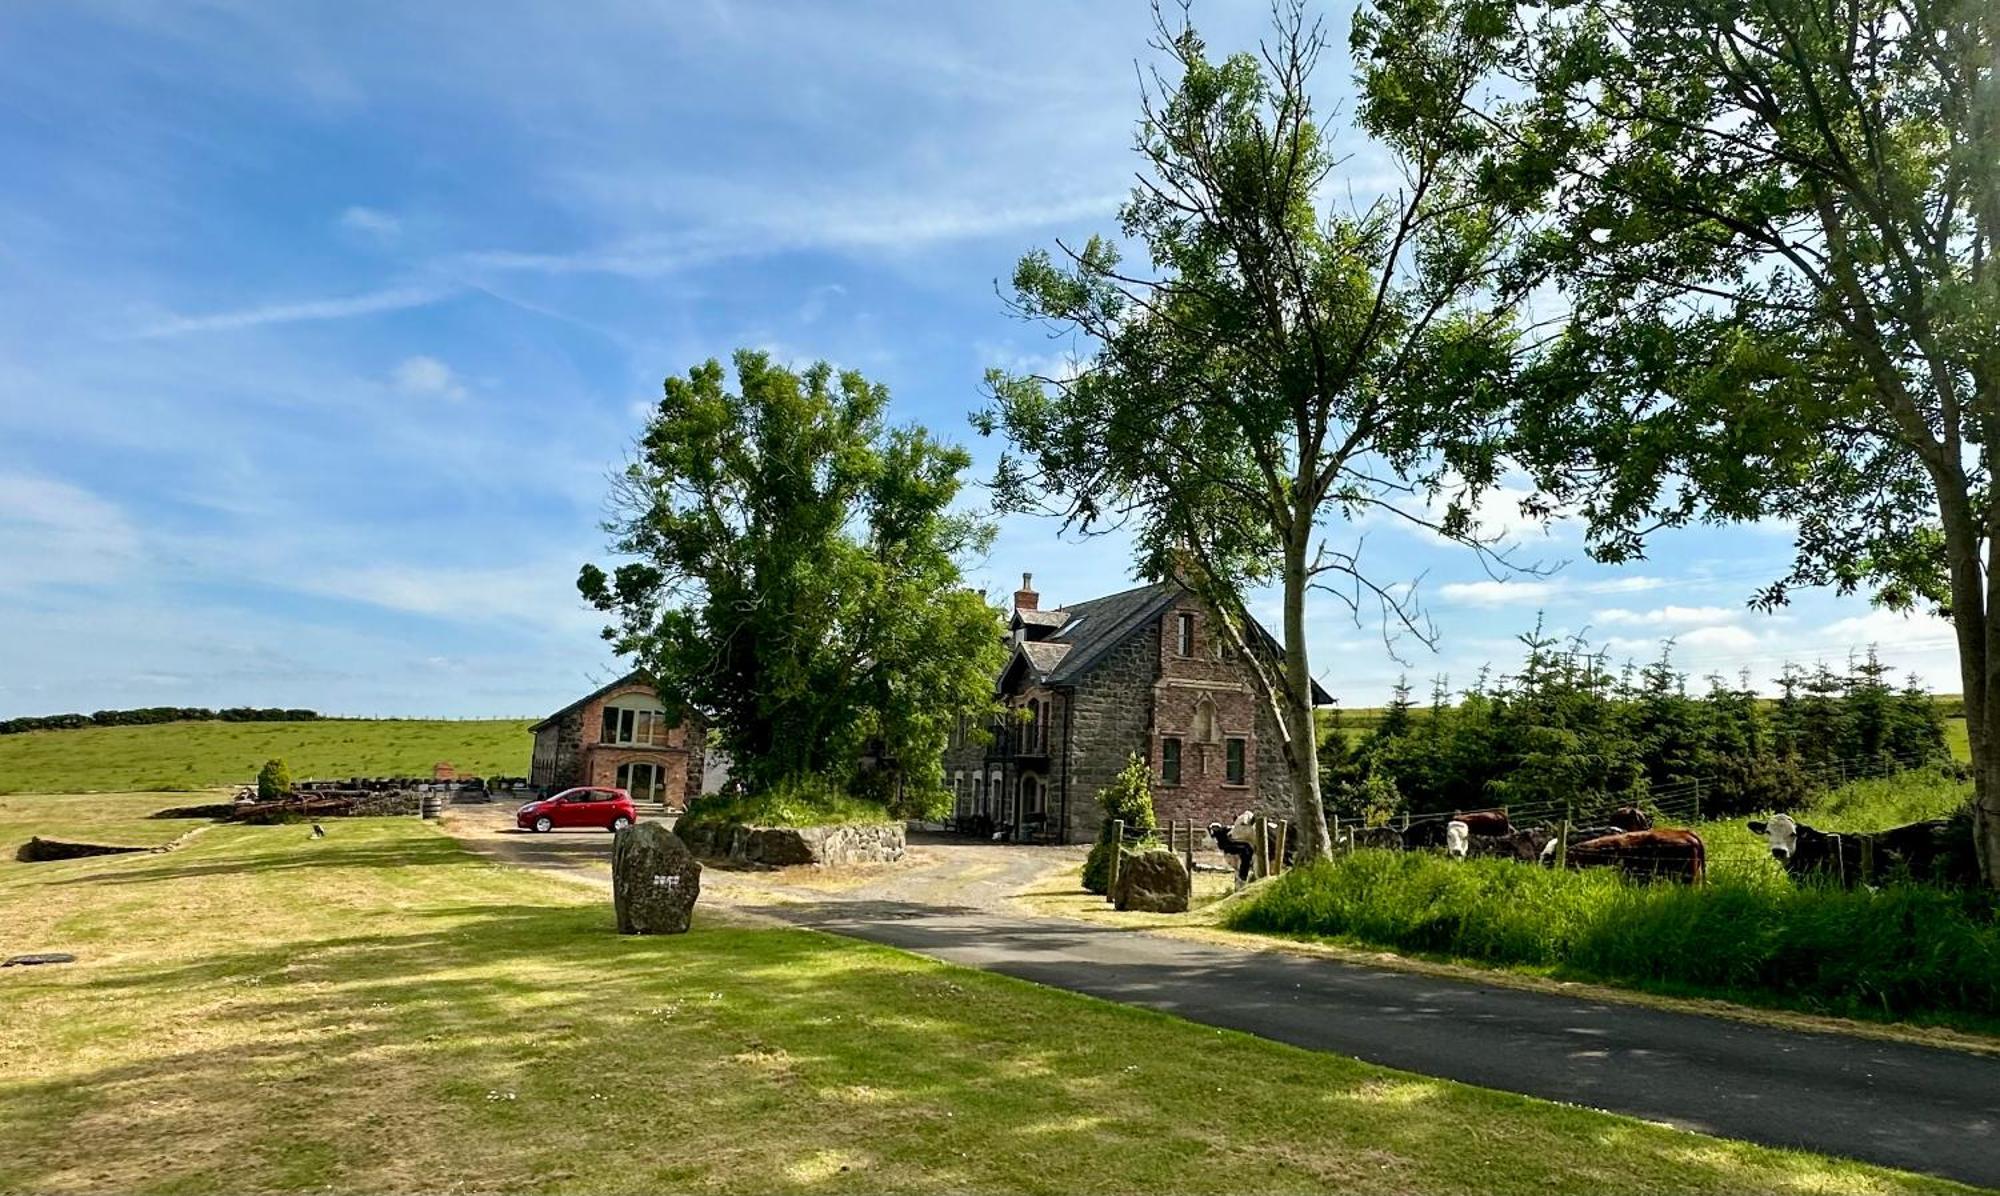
(796, 801)
(1129, 797)
(1899, 951)
(274, 781)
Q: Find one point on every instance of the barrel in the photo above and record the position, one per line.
(432, 804)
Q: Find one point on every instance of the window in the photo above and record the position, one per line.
(625, 725)
(1233, 766)
(1031, 734)
(642, 781)
(996, 794)
(1184, 634)
(1170, 761)
(958, 802)
(978, 794)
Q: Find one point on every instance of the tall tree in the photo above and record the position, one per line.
(1776, 227)
(1285, 365)
(792, 573)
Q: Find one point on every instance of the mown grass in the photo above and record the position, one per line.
(115, 819)
(203, 755)
(379, 1011)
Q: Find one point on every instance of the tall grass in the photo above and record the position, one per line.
(1902, 952)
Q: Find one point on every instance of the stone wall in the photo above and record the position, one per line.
(1113, 719)
(784, 846)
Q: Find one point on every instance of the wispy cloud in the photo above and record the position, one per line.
(372, 222)
(1670, 616)
(55, 533)
(346, 307)
(1514, 593)
(759, 228)
(429, 377)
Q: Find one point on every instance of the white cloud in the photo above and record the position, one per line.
(1720, 639)
(1669, 616)
(542, 595)
(423, 375)
(1498, 593)
(372, 222)
(54, 533)
(1509, 592)
(370, 303)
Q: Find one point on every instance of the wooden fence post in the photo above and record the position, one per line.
(1284, 833)
(1261, 861)
(1117, 850)
(1562, 841)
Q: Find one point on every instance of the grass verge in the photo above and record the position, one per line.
(1902, 952)
(186, 756)
(381, 1011)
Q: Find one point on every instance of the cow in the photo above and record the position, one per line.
(1238, 841)
(1524, 845)
(1457, 839)
(1630, 818)
(1936, 849)
(1667, 854)
(1381, 838)
(1431, 830)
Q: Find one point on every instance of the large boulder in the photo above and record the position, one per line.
(654, 880)
(1153, 882)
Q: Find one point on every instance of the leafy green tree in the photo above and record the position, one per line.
(1772, 225)
(792, 573)
(274, 781)
(1129, 797)
(1287, 363)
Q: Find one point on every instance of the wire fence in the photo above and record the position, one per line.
(1728, 843)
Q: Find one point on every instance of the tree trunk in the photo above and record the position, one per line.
(1302, 756)
(1972, 594)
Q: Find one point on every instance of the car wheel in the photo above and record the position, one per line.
(620, 823)
(543, 825)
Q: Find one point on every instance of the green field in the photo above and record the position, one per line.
(380, 1011)
(187, 756)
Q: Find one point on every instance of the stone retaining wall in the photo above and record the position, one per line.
(783, 846)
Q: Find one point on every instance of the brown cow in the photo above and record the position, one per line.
(1630, 818)
(1668, 854)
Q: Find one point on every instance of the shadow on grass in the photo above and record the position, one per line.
(453, 1042)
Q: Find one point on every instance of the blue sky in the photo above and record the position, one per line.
(321, 326)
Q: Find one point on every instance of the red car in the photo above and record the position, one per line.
(607, 809)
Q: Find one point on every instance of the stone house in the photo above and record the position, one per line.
(1140, 671)
(620, 736)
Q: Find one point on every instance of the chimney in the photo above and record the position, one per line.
(1025, 598)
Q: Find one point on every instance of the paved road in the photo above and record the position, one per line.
(1918, 1108)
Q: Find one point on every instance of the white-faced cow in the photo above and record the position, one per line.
(1933, 850)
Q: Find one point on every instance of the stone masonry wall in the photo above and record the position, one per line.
(1113, 719)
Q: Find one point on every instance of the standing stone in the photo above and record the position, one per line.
(1153, 882)
(654, 880)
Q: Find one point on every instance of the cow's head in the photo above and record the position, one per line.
(1457, 839)
(1783, 834)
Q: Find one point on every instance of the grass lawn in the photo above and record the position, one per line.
(118, 819)
(202, 755)
(381, 1011)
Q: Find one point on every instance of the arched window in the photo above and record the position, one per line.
(1206, 728)
(996, 790)
(978, 794)
(1032, 733)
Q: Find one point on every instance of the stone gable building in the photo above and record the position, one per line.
(1140, 671)
(620, 736)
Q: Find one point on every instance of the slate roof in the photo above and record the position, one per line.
(1041, 618)
(635, 677)
(1090, 629)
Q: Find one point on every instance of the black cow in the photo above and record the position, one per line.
(1938, 850)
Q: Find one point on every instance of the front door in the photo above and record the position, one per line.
(642, 781)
